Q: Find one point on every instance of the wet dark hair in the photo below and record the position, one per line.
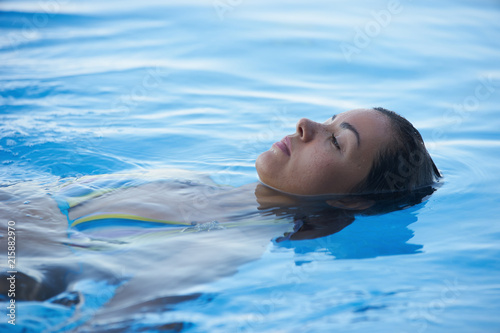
(404, 166)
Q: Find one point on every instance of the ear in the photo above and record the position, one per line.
(351, 203)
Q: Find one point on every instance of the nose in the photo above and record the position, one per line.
(306, 129)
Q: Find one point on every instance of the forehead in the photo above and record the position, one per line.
(363, 116)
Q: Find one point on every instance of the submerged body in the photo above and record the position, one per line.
(214, 230)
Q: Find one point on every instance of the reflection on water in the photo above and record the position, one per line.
(369, 237)
(105, 87)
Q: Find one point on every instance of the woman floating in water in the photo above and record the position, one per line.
(364, 161)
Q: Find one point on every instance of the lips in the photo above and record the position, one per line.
(284, 145)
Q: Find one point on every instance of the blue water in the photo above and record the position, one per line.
(100, 87)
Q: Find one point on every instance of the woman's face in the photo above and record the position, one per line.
(329, 157)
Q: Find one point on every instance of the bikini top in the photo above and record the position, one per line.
(121, 227)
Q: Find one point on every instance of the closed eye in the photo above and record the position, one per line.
(335, 142)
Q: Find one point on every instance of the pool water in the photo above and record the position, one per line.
(103, 87)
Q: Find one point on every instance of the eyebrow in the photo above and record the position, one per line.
(348, 126)
(354, 130)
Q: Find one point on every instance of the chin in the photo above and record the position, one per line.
(262, 166)
(259, 164)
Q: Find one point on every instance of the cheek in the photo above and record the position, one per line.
(328, 173)
(316, 171)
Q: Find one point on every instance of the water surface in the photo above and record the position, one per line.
(104, 87)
